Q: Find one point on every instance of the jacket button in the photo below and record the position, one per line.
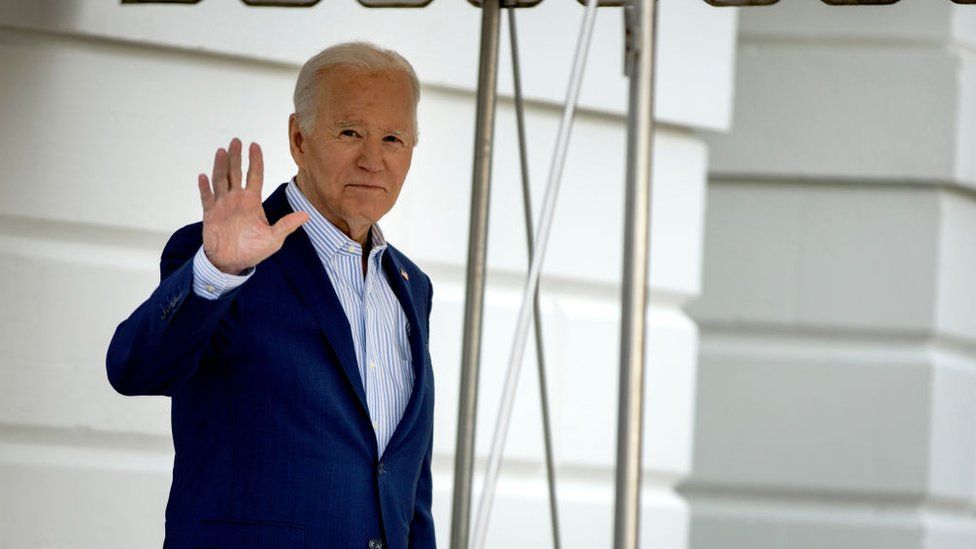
(375, 544)
(381, 469)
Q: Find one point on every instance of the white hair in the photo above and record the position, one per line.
(359, 55)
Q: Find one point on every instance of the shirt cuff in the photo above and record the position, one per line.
(209, 282)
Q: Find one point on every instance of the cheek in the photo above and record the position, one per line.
(332, 160)
(402, 165)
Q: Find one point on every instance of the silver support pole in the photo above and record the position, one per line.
(537, 314)
(532, 281)
(640, 20)
(475, 285)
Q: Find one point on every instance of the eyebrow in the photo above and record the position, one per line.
(348, 123)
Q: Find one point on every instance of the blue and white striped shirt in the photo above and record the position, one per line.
(376, 319)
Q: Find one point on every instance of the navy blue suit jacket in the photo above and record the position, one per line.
(274, 444)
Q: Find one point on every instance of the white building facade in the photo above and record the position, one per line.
(828, 402)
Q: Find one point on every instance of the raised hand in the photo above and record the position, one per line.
(236, 233)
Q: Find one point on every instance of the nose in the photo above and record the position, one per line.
(370, 155)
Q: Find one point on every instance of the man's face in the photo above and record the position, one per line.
(354, 160)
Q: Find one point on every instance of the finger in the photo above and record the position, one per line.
(206, 195)
(255, 168)
(287, 225)
(219, 178)
(235, 164)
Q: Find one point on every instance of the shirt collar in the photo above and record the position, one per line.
(327, 239)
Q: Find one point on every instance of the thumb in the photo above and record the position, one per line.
(287, 225)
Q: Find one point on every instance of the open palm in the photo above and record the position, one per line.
(236, 233)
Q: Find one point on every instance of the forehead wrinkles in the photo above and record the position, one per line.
(344, 85)
(351, 93)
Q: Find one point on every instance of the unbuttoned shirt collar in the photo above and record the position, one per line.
(326, 238)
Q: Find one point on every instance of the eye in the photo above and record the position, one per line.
(392, 139)
(349, 133)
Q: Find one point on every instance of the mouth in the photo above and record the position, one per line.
(366, 187)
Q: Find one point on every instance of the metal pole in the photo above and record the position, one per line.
(537, 314)
(475, 285)
(532, 281)
(640, 18)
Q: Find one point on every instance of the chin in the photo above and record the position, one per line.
(366, 210)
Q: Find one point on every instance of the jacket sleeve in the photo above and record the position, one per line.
(161, 344)
(422, 524)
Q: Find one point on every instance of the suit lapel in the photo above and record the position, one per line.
(307, 276)
(393, 269)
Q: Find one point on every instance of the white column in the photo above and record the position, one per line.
(837, 382)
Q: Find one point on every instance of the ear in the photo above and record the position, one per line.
(296, 141)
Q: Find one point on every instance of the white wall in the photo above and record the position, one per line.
(108, 112)
(837, 374)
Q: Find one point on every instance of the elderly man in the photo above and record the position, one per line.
(292, 337)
